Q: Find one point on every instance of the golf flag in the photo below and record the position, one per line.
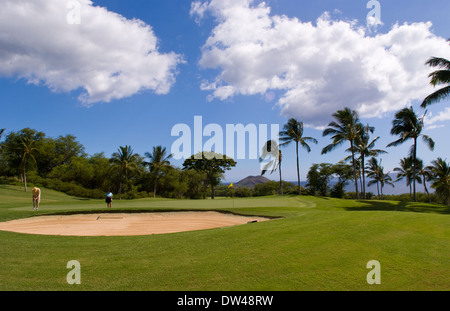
(230, 186)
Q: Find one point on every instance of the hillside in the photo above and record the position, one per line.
(251, 181)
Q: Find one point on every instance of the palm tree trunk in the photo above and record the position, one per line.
(378, 190)
(363, 177)
(24, 163)
(360, 182)
(154, 188)
(298, 169)
(426, 190)
(279, 168)
(414, 172)
(354, 170)
(25, 179)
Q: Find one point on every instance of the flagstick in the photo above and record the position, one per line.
(232, 195)
(232, 192)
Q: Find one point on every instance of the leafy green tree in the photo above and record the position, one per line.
(318, 178)
(159, 159)
(1, 132)
(101, 166)
(438, 77)
(196, 183)
(293, 132)
(346, 127)
(408, 126)
(272, 187)
(127, 162)
(174, 183)
(441, 179)
(212, 164)
(243, 192)
(344, 173)
(67, 148)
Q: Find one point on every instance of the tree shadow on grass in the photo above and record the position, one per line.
(400, 206)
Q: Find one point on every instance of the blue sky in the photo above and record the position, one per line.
(231, 62)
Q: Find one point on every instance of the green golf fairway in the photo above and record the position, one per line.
(316, 244)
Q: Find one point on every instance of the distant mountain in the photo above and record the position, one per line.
(251, 181)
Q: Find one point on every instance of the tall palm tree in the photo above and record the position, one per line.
(272, 150)
(346, 128)
(365, 147)
(127, 161)
(293, 132)
(408, 126)
(438, 77)
(27, 150)
(159, 159)
(441, 179)
(376, 172)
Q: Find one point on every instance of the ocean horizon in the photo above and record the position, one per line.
(400, 187)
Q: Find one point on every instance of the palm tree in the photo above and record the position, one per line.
(441, 179)
(293, 132)
(27, 150)
(406, 171)
(345, 128)
(425, 174)
(376, 172)
(438, 77)
(127, 161)
(158, 161)
(365, 148)
(272, 150)
(408, 126)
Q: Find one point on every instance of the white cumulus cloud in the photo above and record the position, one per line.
(435, 121)
(318, 67)
(75, 46)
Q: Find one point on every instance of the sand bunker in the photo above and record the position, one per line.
(112, 224)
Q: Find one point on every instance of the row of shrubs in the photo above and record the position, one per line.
(70, 188)
(76, 190)
(268, 188)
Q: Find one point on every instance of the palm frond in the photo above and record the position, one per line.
(428, 141)
(436, 97)
(438, 62)
(439, 77)
(396, 143)
(331, 147)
